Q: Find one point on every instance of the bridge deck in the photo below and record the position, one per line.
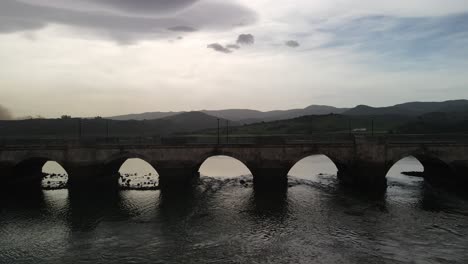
(233, 141)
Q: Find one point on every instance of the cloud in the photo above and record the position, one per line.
(245, 39)
(218, 47)
(233, 46)
(5, 113)
(292, 43)
(147, 7)
(412, 38)
(182, 29)
(122, 20)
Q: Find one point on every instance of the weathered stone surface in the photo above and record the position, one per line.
(365, 175)
(362, 161)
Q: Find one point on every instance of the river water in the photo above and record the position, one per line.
(223, 220)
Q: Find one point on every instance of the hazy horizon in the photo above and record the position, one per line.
(107, 58)
(5, 114)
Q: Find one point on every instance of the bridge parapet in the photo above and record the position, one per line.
(361, 160)
(177, 140)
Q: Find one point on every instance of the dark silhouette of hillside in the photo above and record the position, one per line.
(196, 121)
(411, 109)
(431, 123)
(416, 117)
(98, 127)
(243, 116)
(438, 122)
(248, 116)
(321, 124)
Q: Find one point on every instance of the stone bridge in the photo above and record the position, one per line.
(362, 161)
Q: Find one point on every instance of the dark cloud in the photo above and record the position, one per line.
(182, 29)
(146, 6)
(233, 46)
(245, 39)
(5, 114)
(218, 47)
(133, 26)
(292, 43)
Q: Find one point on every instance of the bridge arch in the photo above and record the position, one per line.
(113, 163)
(435, 171)
(136, 173)
(55, 176)
(232, 160)
(136, 179)
(339, 164)
(303, 167)
(406, 166)
(221, 152)
(28, 172)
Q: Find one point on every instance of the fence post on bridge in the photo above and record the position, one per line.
(227, 131)
(218, 131)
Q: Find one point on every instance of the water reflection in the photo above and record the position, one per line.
(178, 204)
(226, 220)
(29, 201)
(86, 209)
(265, 205)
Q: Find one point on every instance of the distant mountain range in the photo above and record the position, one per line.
(98, 127)
(411, 109)
(242, 116)
(247, 116)
(414, 117)
(191, 121)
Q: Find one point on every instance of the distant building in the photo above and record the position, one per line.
(360, 130)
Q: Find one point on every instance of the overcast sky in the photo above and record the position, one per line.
(109, 57)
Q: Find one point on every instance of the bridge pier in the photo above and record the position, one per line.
(453, 176)
(270, 178)
(6, 173)
(26, 176)
(91, 176)
(460, 169)
(179, 177)
(364, 175)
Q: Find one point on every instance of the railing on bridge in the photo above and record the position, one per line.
(235, 140)
(426, 138)
(180, 140)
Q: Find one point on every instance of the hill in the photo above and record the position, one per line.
(248, 116)
(191, 121)
(411, 108)
(243, 116)
(98, 127)
(335, 123)
(145, 116)
(438, 122)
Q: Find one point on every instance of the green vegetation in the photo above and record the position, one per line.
(321, 124)
(199, 124)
